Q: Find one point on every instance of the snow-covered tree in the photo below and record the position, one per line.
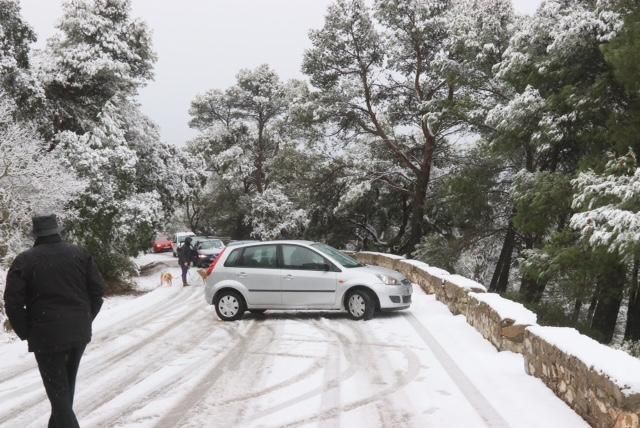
(243, 132)
(272, 216)
(32, 180)
(401, 73)
(608, 207)
(16, 78)
(100, 52)
(134, 183)
(91, 70)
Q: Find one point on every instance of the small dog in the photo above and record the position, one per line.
(166, 279)
(203, 274)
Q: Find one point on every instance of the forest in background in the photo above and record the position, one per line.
(498, 146)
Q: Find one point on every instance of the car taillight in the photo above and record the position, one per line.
(213, 264)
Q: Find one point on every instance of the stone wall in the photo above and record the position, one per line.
(592, 394)
(457, 292)
(505, 329)
(601, 398)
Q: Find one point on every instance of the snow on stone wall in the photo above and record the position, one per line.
(600, 383)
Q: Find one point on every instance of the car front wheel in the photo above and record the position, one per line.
(229, 305)
(361, 305)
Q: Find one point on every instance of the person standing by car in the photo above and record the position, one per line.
(53, 293)
(185, 258)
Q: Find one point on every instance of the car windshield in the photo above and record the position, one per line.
(339, 256)
(210, 244)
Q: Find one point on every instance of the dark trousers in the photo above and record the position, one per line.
(185, 268)
(58, 371)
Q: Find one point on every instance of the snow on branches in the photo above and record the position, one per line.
(32, 180)
(273, 215)
(609, 206)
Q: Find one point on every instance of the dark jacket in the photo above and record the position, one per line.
(186, 253)
(53, 293)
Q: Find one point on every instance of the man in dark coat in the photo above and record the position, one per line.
(53, 292)
(185, 258)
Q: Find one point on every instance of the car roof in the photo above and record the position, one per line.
(288, 241)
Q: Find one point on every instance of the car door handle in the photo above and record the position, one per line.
(243, 275)
(288, 277)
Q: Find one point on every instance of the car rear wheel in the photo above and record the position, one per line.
(229, 305)
(360, 305)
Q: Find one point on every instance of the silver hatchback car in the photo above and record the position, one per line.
(300, 275)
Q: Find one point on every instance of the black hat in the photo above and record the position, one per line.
(187, 239)
(45, 225)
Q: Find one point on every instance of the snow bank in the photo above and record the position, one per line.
(437, 272)
(507, 309)
(390, 256)
(147, 258)
(431, 270)
(466, 283)
(416, 263)
(620, 367)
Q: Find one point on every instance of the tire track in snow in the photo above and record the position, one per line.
(34, 395)
(351, 352)
(174, 416)
(330, 384)
(239, 368)
(315, 366)
(150, 365)
(402, 379)
(100, 336)
(148, 391)
(348, 372)
(385, 408)
(91, 355)
(475, 398)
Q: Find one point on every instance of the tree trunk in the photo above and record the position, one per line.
(575, 316)
(609, 291)
(416, 221)
(592, 307)
(531, 290)
(500, 279)
(632, 329)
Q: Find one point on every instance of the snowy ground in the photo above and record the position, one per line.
(165, 360)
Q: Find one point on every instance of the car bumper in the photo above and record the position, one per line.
(209, 290)
(394, 296)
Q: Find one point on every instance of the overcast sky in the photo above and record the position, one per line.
(201, 44)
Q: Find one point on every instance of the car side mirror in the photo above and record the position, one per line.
(327, 267)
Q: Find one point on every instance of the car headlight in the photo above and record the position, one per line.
(387, 279)
(202, 256)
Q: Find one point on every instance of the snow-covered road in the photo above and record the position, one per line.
(165, 360)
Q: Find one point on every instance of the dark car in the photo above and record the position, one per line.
(207, 249)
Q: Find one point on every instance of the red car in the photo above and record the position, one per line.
(161, 244)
